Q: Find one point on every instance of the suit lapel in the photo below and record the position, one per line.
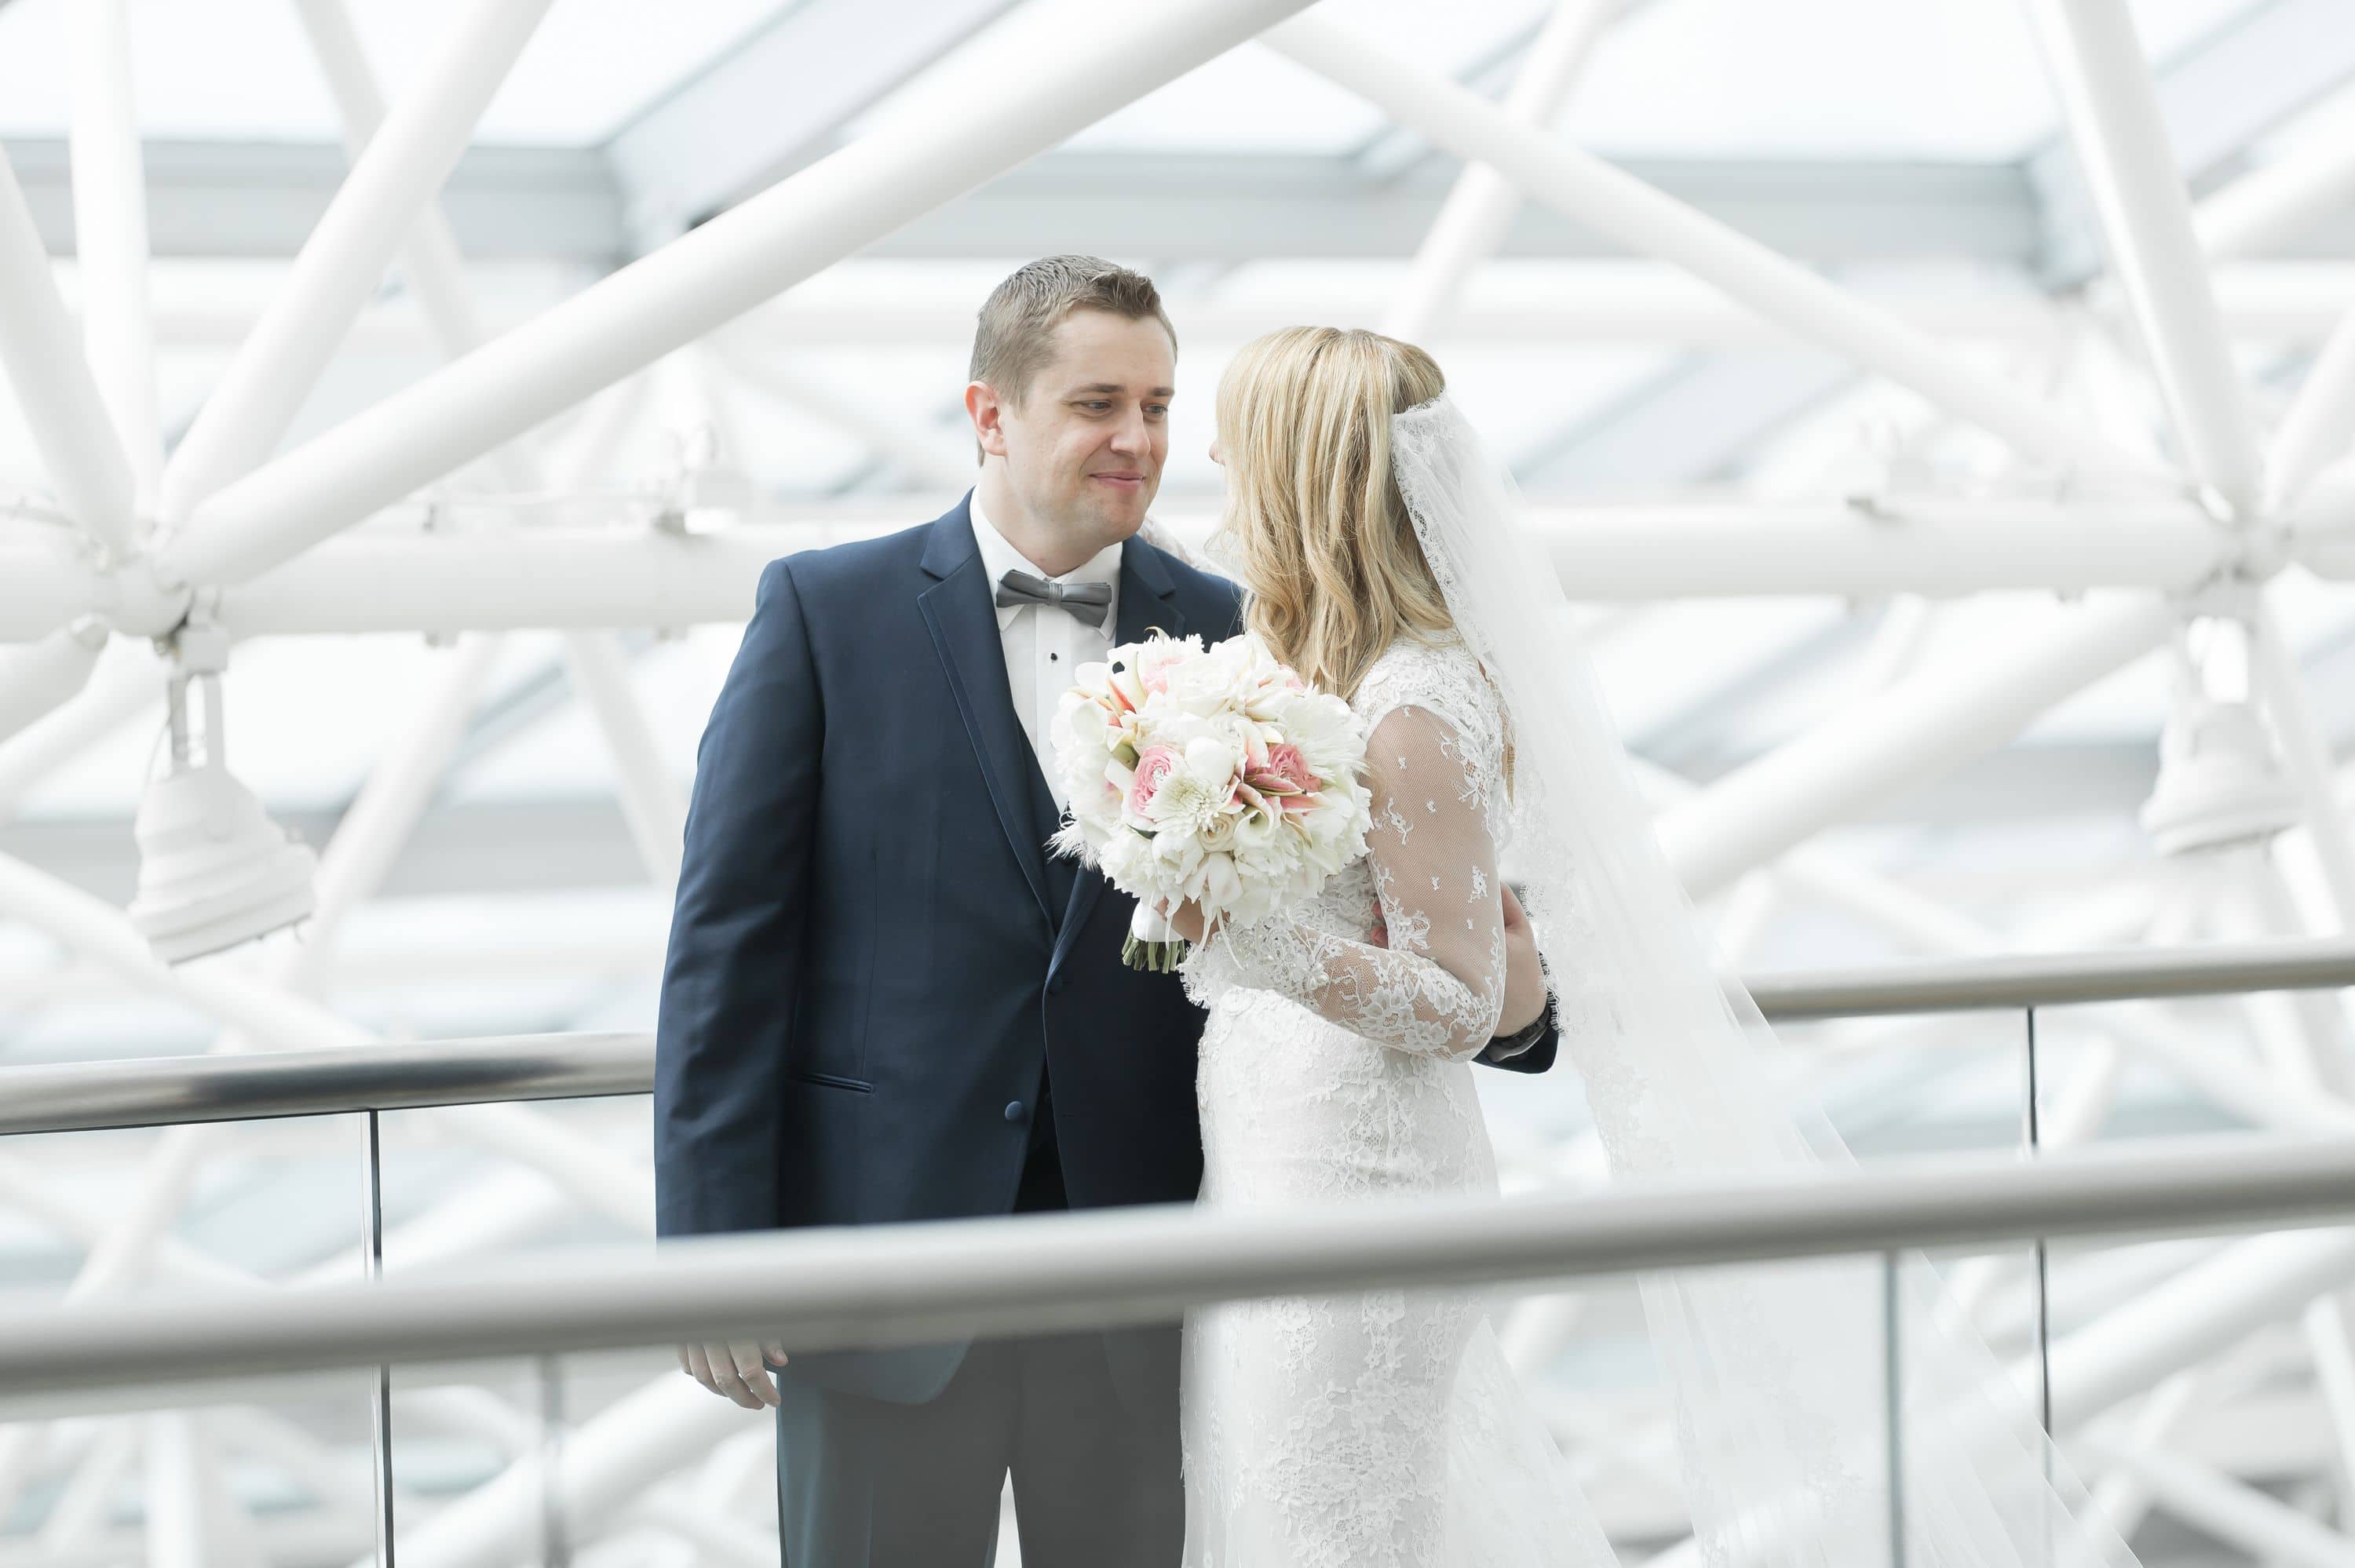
(1147, 600)
(961, 613)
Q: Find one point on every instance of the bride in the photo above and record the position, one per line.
(1385, 1430)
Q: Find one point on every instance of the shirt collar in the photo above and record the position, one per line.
(998, 556)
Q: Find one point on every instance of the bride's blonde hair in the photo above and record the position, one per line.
(1327, 550)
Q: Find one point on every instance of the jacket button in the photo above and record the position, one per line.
(1055, 987)
(1014, 1111)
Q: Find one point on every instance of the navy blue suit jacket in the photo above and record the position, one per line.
(868, 963)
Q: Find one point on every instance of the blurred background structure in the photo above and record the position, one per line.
(1939, 407)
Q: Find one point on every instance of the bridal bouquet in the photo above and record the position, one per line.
(1211, 774)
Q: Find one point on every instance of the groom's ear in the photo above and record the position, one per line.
(987, 411)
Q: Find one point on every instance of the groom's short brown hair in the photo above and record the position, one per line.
(1017, 323)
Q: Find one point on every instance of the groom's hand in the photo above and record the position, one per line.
(734, 1371)
(1524, 979)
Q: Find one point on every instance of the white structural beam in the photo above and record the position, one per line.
(380, 818)
(1472, 222)
(771, 103)
(1574, 303)
(563, 205)
(342, 262)
(1615, 300)
(581, 578)
(1939, 548)
(262, 200)
(110, 199)
(1652, 223)
(2321, 419)
(704, 278)
(2193, 1317)
(568, 577)
(60, 403)
(2270, 1530)
(37, 677)
(2237, 82)
(2106, 93)
(2305, 756)
(129, 681)
(1686, 425)
(1906, 735)
(273, 1018)
(2271, 205)
(651, 799)
(431, 264)
(934, 455)
(607, 1461)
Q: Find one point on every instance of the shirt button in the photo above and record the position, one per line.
(1014, 1111)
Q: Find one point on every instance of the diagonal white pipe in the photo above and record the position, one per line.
(2316, 432)
(341, 263)
(607, 1461)
(1909, 734)
(974, 128)
(652, 802)
(2272, 204)
(2306, 755)
(60, 400)
(1652, 223)
(1481, 205)
(2111, 104)
(2230, 1509)
(430, 259)
(110, 199)
(129, 680)
(923, 453)
(273, 1018)
(653, 805)
(38, 677)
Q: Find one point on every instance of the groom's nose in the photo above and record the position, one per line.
(1131, 434)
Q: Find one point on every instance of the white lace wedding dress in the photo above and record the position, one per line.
(1381, 1430)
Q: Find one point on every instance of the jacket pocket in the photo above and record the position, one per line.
(832, 1081)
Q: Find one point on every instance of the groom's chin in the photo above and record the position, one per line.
(1123, 515)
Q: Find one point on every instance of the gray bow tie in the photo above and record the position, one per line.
(1088, 603)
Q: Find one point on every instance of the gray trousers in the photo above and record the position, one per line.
(865, 1483)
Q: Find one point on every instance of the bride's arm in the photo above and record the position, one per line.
(1438, 983)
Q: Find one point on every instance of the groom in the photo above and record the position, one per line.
(884, 1001)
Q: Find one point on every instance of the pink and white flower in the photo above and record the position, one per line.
(1210, 774)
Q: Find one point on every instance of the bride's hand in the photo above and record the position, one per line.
(1525, 981)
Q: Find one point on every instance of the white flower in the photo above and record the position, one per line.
(1209, 717)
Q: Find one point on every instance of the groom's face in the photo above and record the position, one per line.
(1084, 446)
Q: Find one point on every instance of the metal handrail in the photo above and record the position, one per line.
(166, 1091)
(878, 1286)
(2052, 979)
(162, 1091)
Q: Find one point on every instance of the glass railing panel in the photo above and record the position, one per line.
(275, 1467)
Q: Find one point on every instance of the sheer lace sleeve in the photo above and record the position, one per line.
(1437, 982)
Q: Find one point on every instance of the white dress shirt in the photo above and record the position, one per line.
(1044, 645)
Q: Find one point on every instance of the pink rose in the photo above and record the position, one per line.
(1286, 773)
(1154, 765)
